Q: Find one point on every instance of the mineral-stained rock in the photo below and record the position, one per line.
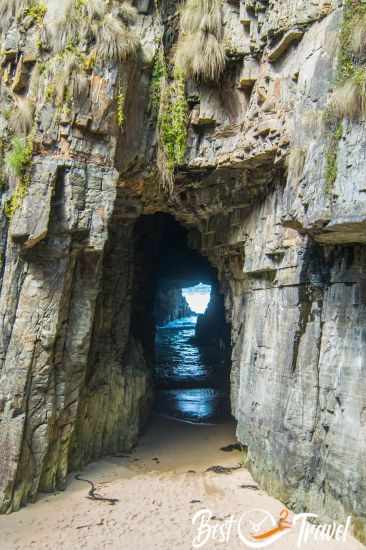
(20, 77)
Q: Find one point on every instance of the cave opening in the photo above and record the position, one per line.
(178, 315)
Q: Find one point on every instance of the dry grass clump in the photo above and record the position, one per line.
(358, 37)
(349, 99)
(65, 30)
(127, 12)
(200, 51)
(114, 41)
(313, 120)
(93, 21)
(34, 82)
(21, 119)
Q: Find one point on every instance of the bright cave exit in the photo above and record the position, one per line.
(184, 309)
(198, 297)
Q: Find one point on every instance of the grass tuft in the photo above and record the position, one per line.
(21, 119)
(349, 97)
(200, 50)
(37, 11)
(90, 22)
(114, 41)
(331, 158)
(358, 37)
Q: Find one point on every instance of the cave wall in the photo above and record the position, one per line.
(73, 377)
(253, 194)
(170, 305)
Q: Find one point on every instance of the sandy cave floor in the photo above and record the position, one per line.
(160, 487)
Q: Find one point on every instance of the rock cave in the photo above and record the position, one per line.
(197, 357)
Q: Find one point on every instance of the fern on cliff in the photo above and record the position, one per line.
(200, 50)
(172, 126)
(19, 156)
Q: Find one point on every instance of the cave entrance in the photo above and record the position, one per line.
(179, 316)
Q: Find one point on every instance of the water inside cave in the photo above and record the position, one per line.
(179, 317)
(191, 376)
(191, 380)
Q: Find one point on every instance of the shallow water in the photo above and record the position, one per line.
(191, 381)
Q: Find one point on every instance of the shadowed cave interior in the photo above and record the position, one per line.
(187, 350)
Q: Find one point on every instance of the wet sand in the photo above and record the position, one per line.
(160, 486)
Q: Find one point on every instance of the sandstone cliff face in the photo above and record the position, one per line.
(287, 241)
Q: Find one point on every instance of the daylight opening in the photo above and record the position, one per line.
(198, 297)
(179, 317)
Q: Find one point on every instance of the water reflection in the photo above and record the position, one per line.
(192, 381)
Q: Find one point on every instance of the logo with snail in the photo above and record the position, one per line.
(259, 529)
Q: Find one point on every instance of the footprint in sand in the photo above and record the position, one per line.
(211, 488)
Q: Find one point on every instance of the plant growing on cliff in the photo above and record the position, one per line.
(18, 161)
(158, 79)
(120, 106)
(90, 21)
(114, 41)
(331, 157)
(16, 200)
(296, 162)
(126, 11)
(65, 77)
(37, 11)
(358, 37)
(2, 162)
(34, 82)
(19, 156)
(172, 125)
(200, 50)
(21, 118)
(349, 97)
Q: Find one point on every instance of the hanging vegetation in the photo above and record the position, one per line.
(200, 50)
(349, 97)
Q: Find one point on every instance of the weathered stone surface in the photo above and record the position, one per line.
(289, 38)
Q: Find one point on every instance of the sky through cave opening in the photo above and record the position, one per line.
(180, 317)
(198, 297)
